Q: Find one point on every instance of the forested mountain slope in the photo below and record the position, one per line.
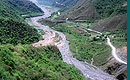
(15, 8)
(19, 60)
(13, 29)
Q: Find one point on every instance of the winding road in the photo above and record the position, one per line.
(114, 54)
(114, 51)
(88, 70)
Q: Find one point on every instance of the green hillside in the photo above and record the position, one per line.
(15, 32)
(16, 8)
(95, 9)
(21, 61)
(18, 58)
(29, 63)
(107, 16)
(13, 29)
(107, 8)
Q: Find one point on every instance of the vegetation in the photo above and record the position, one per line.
(26, 62)
(41, 31)
(13, 29)
(85, 46)
(15, 32)
(107, 8)
(107, 16)
(59, 3)
(119, 38)
(21, 61)
(15, 8)
(18, 58)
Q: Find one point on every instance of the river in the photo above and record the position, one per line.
(88, 70)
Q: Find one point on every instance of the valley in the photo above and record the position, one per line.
(19, 59)
(63, 39)
(85, 68)
(61, 43)
(79, 37)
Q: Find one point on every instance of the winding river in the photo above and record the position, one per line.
(88, 70)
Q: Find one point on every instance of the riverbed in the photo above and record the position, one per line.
(88, 70)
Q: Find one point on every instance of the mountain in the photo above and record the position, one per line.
(65, 3)
(18, 58)
(61, 3)
(13, 28)
(42, 63)
(96, 9)
(15, 8)
(118, 22)
(106, 16)
(23, 6)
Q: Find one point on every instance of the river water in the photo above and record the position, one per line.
(88, 70)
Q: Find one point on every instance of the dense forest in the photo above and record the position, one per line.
(107, 8)
(15, 32)
(13, 28)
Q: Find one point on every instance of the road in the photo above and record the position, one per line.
(88, 70)
(114, 54)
